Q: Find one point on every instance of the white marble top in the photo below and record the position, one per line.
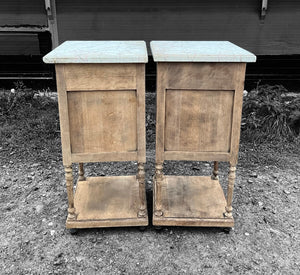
(98, 52)
(199, 51)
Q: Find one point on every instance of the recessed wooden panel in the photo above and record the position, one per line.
(198, 120)
(84, 77)
(102, 121)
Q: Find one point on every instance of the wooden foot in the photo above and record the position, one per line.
(70, 191)
(142, 194)
(81, 172)
(73, 231)
(215, 175)
(158, 179)
(231, 179)
(227, 230)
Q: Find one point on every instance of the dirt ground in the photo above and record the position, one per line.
(33, 207)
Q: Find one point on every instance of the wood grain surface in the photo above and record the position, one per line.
(198, 120)
(192, 201)
(107, 202)
(102, 121)
(84, 77)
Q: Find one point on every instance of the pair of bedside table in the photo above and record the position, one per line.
(101, 93)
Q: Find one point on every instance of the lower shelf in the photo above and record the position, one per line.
(192, 201)
(107, 202)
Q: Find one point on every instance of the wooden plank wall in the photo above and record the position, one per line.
(233, 20)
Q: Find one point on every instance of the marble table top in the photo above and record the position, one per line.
(199, 51)
(98, 52)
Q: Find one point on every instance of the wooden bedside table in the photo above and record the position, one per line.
(199, 105)
(101, 95)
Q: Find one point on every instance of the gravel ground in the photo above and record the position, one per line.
(33, 209)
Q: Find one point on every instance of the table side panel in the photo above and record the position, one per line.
(63, 114)
(237, 112)
(141, 113)
(161, 84)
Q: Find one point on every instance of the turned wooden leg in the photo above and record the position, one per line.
(158, 179)
(215, 174)
(231, 178)
(69, 183)
(81, 172)
(141, 179)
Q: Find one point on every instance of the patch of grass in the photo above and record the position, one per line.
(11, 100)
(270, 115)
(29, 126)
(277, 153)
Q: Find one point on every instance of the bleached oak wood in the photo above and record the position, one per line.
(160, 110)
(63, 114)
(103, 121)
(192, 201)
(215, 174)
(200, 76)
(107, 202)
(239, 79)
(70, 192)
(158, 180)
(142, 194)
(141, 113)
(102, 116)
(160, 221)
(231, 179)
(81, 171)
(107, 223)
(90, 77)
(198, 118)
(104, 156)
(203, 156)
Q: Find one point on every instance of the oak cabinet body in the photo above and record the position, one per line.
(199, 105)
(102, 118)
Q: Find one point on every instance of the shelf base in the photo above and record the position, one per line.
(107, 202)
(192, 201)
